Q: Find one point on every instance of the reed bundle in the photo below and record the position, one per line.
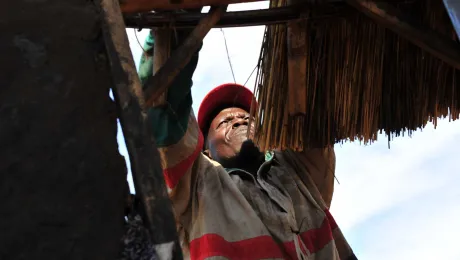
(362, 79)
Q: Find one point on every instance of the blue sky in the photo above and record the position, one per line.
(398, 203)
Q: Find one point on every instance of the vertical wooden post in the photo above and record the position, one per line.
(144, 156)
(297, 77)
(162, 51)
(297, 64)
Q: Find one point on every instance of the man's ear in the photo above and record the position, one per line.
(207, 153)
(206, 150)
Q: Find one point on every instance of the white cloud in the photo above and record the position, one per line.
(423, 228)
(398, 203)
(401, 203)
(379, 177)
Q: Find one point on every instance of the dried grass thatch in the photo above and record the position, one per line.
(361, 79)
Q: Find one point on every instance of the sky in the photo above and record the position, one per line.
(397, 203)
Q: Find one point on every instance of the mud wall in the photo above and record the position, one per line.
(61, 176)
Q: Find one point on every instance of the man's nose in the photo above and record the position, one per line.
(239, 121)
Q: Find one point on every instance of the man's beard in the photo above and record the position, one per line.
(249, 156)
(249, 150)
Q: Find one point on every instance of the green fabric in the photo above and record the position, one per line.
(146, 62)
(269, 155)
(170, 121)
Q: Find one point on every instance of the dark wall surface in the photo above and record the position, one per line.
(61, 176)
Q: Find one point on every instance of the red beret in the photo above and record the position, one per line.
(225, 95)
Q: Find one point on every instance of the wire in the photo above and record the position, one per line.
(238, 93)
(140, 45)
(228, 55)
(250, 75)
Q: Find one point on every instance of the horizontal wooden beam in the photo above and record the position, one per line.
(233, 19)
(160, 82)
(139, 6)
(436, 44)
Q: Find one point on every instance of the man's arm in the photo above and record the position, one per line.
(316, 168)
(174, 126)
(320, 165)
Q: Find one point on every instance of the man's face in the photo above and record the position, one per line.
(228, 131)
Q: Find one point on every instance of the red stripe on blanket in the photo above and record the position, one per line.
(331, 220)
(258, 247)
(316, 239)
(254, 248)
(174, 174)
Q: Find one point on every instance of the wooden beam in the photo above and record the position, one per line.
(139, 6)
(144, 156)
(161, 54)
(438, 45)
(297, 49)
(160, 82)
(236, 19)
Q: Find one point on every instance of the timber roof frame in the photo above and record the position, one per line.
(137, 14)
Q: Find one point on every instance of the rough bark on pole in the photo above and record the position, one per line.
(139, 6)
(297, 64)
(61, 175)
(144, 156)
(160, 82)
(438, 45)
(161, 54)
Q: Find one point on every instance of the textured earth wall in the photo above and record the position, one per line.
(61, 176)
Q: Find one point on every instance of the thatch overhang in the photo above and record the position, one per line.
(348, 77)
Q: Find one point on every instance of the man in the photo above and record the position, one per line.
(231, 201)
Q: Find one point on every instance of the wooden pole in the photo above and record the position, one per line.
(144, 156)
(139, 6)
(162, 51)
(297, 64)
(236, 19)
(160, 82)
(438, 45)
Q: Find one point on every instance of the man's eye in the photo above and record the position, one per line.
(221, 123)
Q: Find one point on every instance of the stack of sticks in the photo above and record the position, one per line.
(361, 79)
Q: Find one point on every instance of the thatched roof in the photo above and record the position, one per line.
(359, 78)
